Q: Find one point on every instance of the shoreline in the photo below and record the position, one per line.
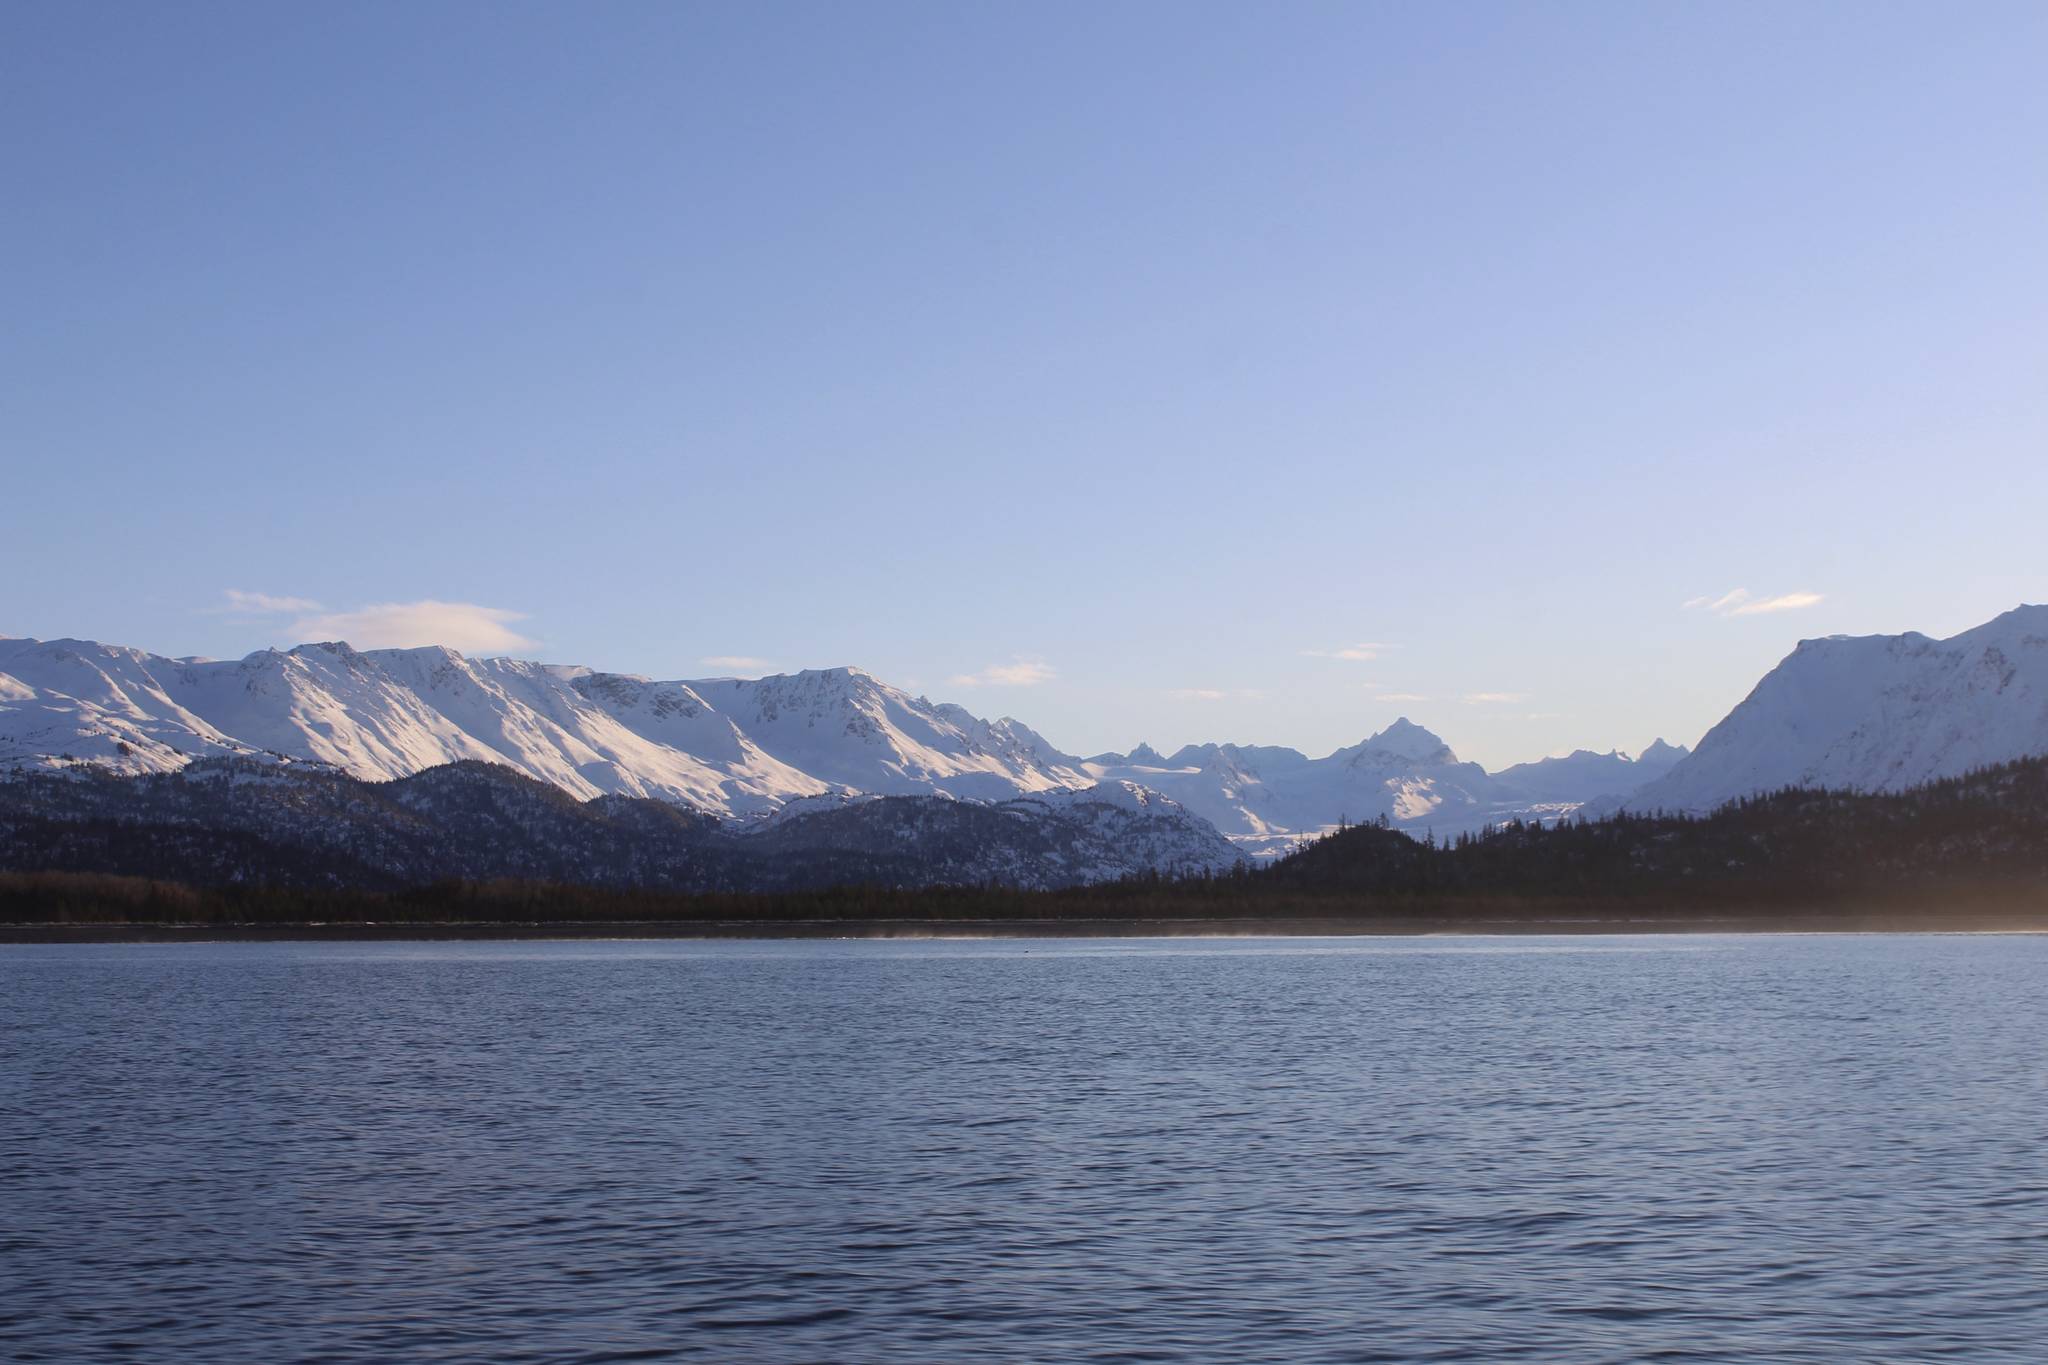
(1108, 927)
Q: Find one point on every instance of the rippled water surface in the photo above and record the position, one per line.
(1303, 1150)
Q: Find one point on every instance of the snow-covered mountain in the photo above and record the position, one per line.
(793, 744)
(1269, 798)
(1874, 713)
(1583, 775)
(730, 747)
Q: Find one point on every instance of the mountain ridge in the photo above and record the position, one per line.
(736, 748)
(1873, 713)
(1867, 713)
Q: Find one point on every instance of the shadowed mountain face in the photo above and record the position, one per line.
(1585, 775)
(220, 821)
(1966, 834)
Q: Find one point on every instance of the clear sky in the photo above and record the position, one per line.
(1128, 368)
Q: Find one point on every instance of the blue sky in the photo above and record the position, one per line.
(1132, 369)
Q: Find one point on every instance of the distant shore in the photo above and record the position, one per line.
(1592, 923)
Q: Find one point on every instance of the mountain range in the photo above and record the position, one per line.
(1876, 713)
(1267, 798)
(734, 748)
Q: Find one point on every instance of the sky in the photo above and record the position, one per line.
(1146, 371)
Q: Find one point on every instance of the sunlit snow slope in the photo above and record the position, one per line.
(794, 743)
(727, 746)
(1875, 713)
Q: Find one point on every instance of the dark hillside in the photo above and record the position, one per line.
(1986, 827)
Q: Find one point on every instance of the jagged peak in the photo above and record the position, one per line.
(1406, 740)
(846, 680)
(2026, 624)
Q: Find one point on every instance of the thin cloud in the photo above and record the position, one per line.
(242, 603)
(1494, 698)
(737, 663)
(1400, 696)
(1742, 602)
(1020, 672)
(1364, 652)
(463, 626)
(1791, 601)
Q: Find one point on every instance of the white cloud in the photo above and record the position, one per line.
(1400, 696)
(243, 603)
(737, 663)
(1791, 601)
(463, 626)
(1742, 602)
(1213, 693)
(1494, 698)
(1020, 672)
(1363, 652)
(1719, 605)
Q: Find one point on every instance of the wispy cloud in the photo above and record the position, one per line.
(1791, 601)
(1019, 672)
(1399, 696)
(737, 663)
(1214, 693)
(237, 602)
(1742, 602)
(1494, 698)
(462, 626)
(1363, 652)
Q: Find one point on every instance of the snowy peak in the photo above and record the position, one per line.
(2025, 627)
(1661, 755)
(1875, 713)
(1584, 775)
(1241, 758)
(852, 730)
(1267, 797)
(1402, 743)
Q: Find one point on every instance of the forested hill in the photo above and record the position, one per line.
(222, 822)
(477, 846)
(1985, 828)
